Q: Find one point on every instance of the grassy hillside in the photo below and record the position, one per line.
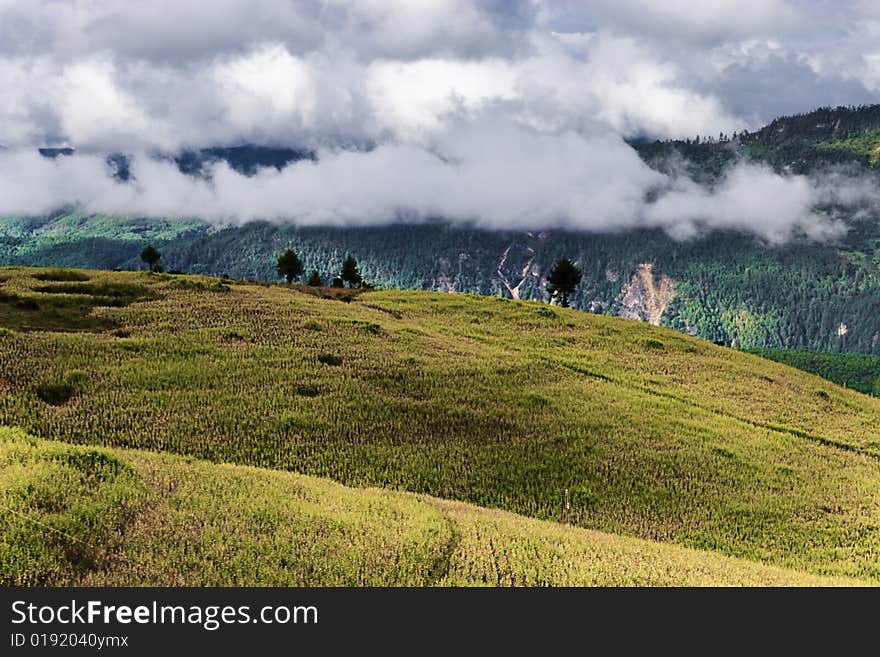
(503, 404)
(84, 516)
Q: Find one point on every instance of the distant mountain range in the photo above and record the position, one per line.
(727, 287)
(245, 159)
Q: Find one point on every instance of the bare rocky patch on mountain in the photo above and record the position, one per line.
(647, 295)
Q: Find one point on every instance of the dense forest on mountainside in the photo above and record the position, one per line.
(802, 143)
(857, 371)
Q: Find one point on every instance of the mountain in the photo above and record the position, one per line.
(802, 143)
(245, 158)
(600, 423)
(727, 287)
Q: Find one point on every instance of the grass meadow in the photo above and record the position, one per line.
(117, 517)
(553, 414)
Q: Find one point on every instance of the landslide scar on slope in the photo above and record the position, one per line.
(647, 295)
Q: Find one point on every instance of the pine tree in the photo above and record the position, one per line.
(289, 266)
(350, 273)
(563, 280)
(151, 256)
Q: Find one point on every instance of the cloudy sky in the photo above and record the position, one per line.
(501, 112)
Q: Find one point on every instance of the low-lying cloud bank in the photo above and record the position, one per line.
(496, 175)
(499, 114)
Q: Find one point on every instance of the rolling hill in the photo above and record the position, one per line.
(600, 423)
(116, 517)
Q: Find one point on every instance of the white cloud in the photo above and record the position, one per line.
(96, 110)
(708, 20)
(172, 73)
(620, 84)
(413, 99)
(503, 113)
(492, 174)
(750, 198)
(495, 174)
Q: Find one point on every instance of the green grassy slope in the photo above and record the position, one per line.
(497, 403)
(124, 517)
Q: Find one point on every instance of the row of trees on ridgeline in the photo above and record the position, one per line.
(290, 268)
(561, 283)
